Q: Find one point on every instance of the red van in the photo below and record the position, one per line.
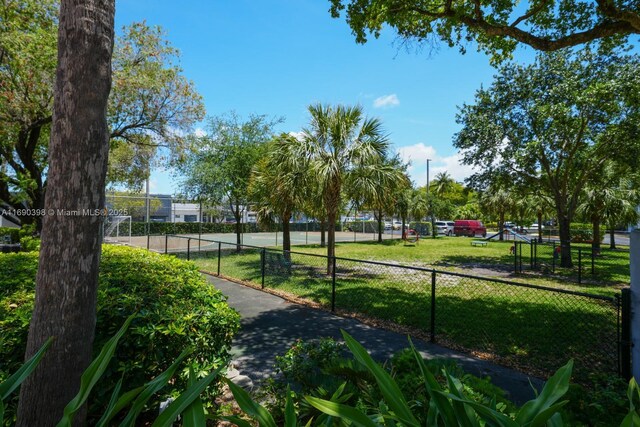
(469, 227)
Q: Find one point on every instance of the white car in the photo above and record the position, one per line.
(445, 227)
(387, 225)
(397, 225)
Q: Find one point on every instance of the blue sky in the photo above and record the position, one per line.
(277, 57)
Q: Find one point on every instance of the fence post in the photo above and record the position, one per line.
(219, 255)
(593, 262)
(432, 337)
(188, 249)
(579, 265)
(147, 241)
(262, 263)
(333, 286)
(625, 337)
(166, 243)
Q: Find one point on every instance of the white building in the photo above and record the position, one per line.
(4, 222)
(185, 212)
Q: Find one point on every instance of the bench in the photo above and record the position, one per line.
(276, 262)
(478, 243)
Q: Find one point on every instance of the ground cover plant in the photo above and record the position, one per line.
(522, 326)
(176, 309)
(321, 385)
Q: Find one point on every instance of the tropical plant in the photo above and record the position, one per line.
(607, 198)
(187, 403)
(497, 201)
(339, 142)
(380, 185)
(279, 184)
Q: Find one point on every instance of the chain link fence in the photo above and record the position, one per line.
(608, 266)
(525, 326)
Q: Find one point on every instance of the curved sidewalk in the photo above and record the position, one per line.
(270, 325)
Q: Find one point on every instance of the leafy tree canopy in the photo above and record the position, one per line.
(496, 26)
(151, 104)
(551, 126)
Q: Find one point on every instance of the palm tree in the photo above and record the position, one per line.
(612, 198)
(278, 184)
(338, 142)
(537, 204)
(442, 183)
(380, 184)
(497, 201)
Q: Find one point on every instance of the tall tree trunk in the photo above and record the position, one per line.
(236, 214)
(67, 279)
(331, 241)
(564, 225)
(501, 225)
(332, 201)
(380, 227)
(595, 244)
(612, 236)
(323, 235)
(539, 226)
(286, 235)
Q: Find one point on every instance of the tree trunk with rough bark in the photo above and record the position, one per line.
(67, 279)
(323, 233)
(564, 225)
(501, 226)
(595, 244)
(286, 235)
(539, 227)
(236, 215)
(612, 236)
(380, 225)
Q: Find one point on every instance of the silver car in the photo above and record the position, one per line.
(445, 227)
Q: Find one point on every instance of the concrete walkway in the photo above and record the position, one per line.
(270, 325)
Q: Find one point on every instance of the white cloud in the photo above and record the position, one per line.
(386, 101)
(418, 154)
(199, 132)
(296, 135)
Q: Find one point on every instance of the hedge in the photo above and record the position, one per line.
(13, 233)
(177, 308)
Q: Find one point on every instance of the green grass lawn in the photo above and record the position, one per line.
(523, 326)
(494, 260)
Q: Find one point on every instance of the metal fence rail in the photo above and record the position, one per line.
(523, 325)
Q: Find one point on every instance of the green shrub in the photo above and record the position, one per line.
(358, 226)
(603, 403)
(13, 233)
(583, 232)
(323, 367)
(176, 306)
(139, 228)
(29, 244)
(423, 228)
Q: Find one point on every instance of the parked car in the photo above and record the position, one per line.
(387, 225)
(445, 227)
(397, 225)
(533, 228)
(469, 227)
